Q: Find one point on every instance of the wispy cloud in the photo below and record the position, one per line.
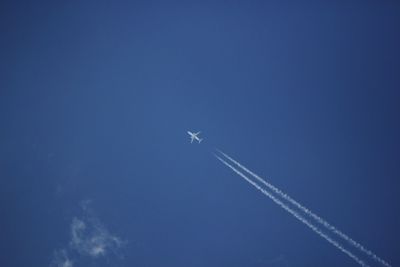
(89, 239)
(61, 259)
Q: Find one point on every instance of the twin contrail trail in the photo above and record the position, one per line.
(305, 210)
(295, 214)
(309, 213)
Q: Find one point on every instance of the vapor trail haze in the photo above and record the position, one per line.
(295, 214)
(314, 216)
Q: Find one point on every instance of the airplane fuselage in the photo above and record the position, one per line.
(194, 136)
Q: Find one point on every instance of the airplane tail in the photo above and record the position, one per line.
(200, 140)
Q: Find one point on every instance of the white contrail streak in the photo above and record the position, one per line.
(295, 214)
(309, 213)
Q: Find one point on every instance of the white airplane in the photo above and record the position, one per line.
(194, 136)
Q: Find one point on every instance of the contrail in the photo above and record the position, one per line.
(309, 213)
(295, 214)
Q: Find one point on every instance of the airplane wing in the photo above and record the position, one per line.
(191, 139)
(197, 133)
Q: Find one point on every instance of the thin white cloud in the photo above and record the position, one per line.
(89, 239)
(67, 263)
(61, 259)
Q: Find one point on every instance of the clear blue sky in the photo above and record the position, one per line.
(96, 98)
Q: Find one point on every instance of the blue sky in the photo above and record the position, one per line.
(96, 98)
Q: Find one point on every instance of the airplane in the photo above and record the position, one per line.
(194, 136)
